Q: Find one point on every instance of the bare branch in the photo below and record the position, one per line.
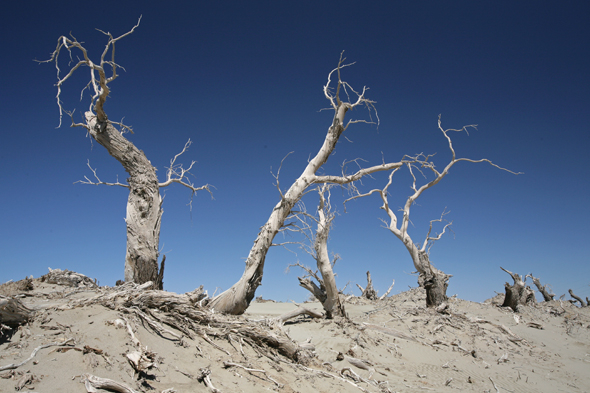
(98, 181)
(547, 294)
(388, 291)
(98, 83)
(359, 174)
(178, 174)
(429, 241)
(279, 173)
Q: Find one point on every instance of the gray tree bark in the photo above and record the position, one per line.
(518, 294)
(144, 205)
(579, 299)
(368, 292)
(547, 296)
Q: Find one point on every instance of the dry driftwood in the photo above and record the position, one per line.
(518, 294)
(92, 383)
(387, 292)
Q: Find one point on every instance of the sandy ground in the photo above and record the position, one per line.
(400, 345)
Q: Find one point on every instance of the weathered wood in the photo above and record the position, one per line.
(388, 291)
(517, 294)
(185, 313)
(236, 299)
(547, 296)
(68, 278)
(298, 311)
(92, 383)
(312, 287)
(13, 312)
(369, 292)
(579, 299)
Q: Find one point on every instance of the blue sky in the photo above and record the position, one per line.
(243, 81)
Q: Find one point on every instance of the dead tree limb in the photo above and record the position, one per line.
(296, 312)
(92, 383)
(547, 296)
(316, 246)
(388, 291)
(579, 299)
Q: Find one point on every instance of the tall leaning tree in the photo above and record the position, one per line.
(144, 205)
(432, 279)
(236, 299)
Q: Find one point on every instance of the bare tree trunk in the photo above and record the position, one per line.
(144, 205)
(332, 304)
(518, 294)
(547, 296)
(430, 278)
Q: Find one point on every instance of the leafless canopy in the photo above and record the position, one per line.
(99, 80)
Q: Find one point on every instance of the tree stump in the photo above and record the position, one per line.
(518, 294)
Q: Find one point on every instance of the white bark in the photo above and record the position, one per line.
(236, 299)
(332, 305)
(316, 245)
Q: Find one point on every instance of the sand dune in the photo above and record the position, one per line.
(393, 345)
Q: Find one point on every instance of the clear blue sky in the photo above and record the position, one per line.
(243, 81)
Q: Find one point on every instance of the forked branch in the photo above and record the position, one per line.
(178, 174)
(98, 71)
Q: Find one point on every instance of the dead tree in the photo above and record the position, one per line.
(518, 294)
(433, 280)
(547, 296)
(579, 299)
(326, 292)
(144, 206)
(368, 292)
(236, 299)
